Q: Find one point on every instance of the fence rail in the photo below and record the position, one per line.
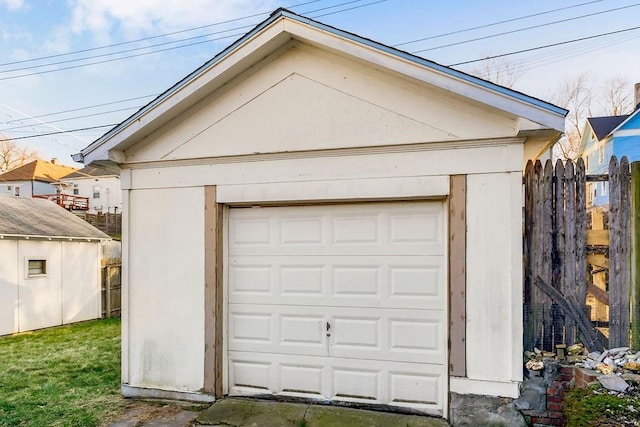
(109, 223)
(560, 255)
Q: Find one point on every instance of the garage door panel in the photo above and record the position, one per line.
(277, 329)
(414, 385)
(393, 282)
(371, 229)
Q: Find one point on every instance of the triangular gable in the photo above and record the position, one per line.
(278, 30)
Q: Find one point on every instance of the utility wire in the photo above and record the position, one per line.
(496, 23)
(152, 37)
(79, 109)
(58, 132)
(526, 28)
(159, 50)
(71, 118)
(544, 46)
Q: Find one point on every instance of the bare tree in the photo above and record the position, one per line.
(500, 71)
(584, 97)
(617, 96)
(12, 156)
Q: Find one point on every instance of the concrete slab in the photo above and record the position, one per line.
(329, 416)
(181, 419)
(260, 413)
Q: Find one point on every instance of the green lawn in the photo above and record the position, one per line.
(64, 376)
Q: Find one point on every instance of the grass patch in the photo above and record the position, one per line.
(585, 407)
(64, 376)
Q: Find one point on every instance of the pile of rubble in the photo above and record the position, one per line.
(619, 367)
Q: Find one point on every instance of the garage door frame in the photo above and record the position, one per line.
(219, 198)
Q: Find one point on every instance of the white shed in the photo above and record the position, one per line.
(314, 214)
(49, 266)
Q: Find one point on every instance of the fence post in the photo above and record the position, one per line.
(635, 254)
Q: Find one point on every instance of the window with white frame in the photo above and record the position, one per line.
(604, 188)
(96, 191)
(76, 190)
(16, 191)
(601, 154)
(36, 267)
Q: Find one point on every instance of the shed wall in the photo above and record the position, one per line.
(8, 286)
(68, 292)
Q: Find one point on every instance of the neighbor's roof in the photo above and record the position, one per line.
(24, 217)
(38, 170)
(93, 171)
(602, 126)
(306, 29)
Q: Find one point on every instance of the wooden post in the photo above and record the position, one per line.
(559, 278)
(624, 253)
(570, 247)
(457, 276)
(547, 251)
(615, 309)
(528, 234)
(108, 291)
(635, 254)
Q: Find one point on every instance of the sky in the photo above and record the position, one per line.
(77, 64)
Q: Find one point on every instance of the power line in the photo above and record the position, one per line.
(526, 28)
(80, 108)
(152, 37)
(71, 118)
(160, 50)
(544, 46)
(496, 23)
(58, 132)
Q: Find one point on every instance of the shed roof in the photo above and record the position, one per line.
(93, 171)
(602, 126)
(37, 170)
(24, 217)
(282, 26)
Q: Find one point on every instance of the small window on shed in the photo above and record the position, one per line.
(37, 267)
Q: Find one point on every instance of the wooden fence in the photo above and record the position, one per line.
(560, 251)
(109, 223)
(111, 279)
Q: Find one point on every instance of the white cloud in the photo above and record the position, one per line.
(135, 17)
(13, 4)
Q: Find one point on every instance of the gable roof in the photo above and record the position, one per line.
(273, 33)
(93, 171)
(38, 170)
(626, 120)
(603, 126)
(24, 217)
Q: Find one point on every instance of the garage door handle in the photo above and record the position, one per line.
(328, 327)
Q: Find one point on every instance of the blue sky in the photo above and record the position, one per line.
(32, 29)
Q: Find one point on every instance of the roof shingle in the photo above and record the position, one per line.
(38, 170)
(21, 216)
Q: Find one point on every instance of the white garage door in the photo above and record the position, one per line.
(339, 302)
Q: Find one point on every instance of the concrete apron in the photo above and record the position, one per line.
(240, 412)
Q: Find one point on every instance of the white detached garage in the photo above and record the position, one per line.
(313, 214)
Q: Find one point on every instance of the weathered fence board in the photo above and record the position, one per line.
(558, 248)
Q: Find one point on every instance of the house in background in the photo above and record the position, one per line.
(608, 136)
(312, 214)
(100, 184)
(36, 178)
(49, 266)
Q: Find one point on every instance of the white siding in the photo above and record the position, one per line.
(40, 297)
(8, 286)
(166, 331)
(494, 277)
(81, 298)
(68, 292)
(110, 194)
